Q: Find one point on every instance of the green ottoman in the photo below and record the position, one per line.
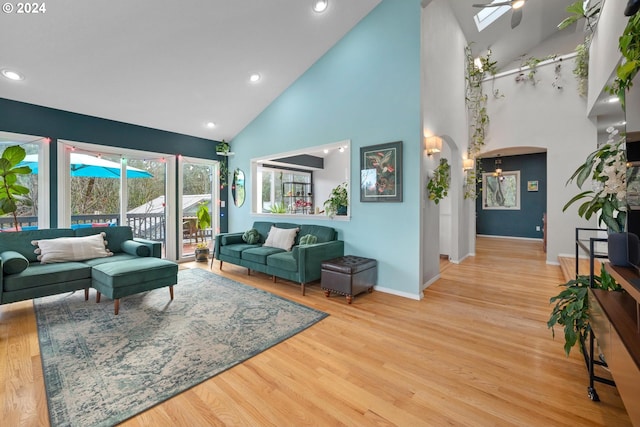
(118, 279)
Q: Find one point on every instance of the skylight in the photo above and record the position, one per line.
(488, 15)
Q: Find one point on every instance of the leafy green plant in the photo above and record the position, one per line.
(278, 208)
(571, 310)
(223, 148)
(476, 102)
(607, 168)
(438, 185)
(338, 198)
(590, 15)
(629, 44)
(10, 191)
(532, 64)
(203, 217)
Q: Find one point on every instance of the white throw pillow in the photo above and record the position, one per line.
(282, 238)
(71, 248)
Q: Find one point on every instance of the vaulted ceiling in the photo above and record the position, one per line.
(178, 65)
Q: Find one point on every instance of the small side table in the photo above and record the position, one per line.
(349, 275)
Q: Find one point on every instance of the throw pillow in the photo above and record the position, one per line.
(251, 236)
(132, 247)
(13, 262)
(281, 238)
(308, 239)
(65, 249)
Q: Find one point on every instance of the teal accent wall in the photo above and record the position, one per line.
(365, 89)
(19, 117)
(533, 204)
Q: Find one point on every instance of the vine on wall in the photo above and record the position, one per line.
(476, 102)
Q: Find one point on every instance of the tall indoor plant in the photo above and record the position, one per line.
(607, 168)
(10, 191)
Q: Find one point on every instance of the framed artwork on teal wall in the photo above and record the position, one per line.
(381, 172)
(501, 191)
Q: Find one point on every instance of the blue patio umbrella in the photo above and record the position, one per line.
(84, 165)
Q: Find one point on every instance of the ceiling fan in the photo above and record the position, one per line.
(516, 6)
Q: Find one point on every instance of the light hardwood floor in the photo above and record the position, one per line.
(474, 352)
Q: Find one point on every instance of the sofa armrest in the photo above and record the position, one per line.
(310, 258)
(226, 239)
(154, 247)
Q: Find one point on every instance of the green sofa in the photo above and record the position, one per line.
(24, 277)
(301, 264)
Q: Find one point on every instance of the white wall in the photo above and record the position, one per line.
(336, 168)
(543, 116)
(444, 114)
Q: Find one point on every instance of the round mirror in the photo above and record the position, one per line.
(237, 187)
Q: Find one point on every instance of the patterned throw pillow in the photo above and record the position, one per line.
(308, 239)
(251, 236)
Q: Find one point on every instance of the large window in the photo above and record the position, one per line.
(284, 191)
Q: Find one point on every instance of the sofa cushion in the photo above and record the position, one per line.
(13, 262)
(263, 228)
(114, 235)
(322, 232)
(283, 261)
(231, 239)
(46, 274)
(122, 256)
(63, 249)
(260, 254)
(135, 248)
(236, 250)
(21, 241)
(282, 238)
(251, 236)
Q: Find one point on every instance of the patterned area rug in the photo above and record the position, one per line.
(101, 369)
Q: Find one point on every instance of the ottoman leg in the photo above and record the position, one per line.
(327, 293)
(86, 294)
(171, 291)
(97, 297)
(116, 306)
(349, 298)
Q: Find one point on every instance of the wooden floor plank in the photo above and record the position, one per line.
(475, 351)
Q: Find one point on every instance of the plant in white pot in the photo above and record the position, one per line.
(338, 201)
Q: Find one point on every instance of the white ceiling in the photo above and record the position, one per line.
(171, 65)
(176, 65)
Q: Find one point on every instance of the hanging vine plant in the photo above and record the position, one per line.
(476, 102)
(438, 185)
(629, 45)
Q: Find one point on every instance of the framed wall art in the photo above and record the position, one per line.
(381, 172)
(501, 191)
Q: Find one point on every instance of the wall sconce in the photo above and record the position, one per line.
(467, 164)
(433, 144)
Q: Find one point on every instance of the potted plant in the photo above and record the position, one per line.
(572, 307)
(203, 221)
(10, 191)
(338, 201)
(223, 149)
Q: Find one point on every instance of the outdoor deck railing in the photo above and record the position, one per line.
(147, 226)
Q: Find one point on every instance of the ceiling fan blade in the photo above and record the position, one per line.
(504, 3)
(516, 17)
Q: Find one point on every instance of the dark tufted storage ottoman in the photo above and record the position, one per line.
(349, 275)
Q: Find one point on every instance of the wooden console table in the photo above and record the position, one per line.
(615, 321)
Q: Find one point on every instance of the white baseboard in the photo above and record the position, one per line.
(398, 293)
(534, 239)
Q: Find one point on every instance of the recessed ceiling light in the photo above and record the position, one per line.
(613, 99)
(211, 125)
(254, 78)
(517, 4)
(12, 75)
(320, 5)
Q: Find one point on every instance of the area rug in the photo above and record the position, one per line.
(101, 369)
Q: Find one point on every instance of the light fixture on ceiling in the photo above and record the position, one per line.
(517, 4)
(433, 144)
(320, 6)
(613, 99)
(467, 164)
(254, 78)
(12, 75)
(211, 125)
(498, 171)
